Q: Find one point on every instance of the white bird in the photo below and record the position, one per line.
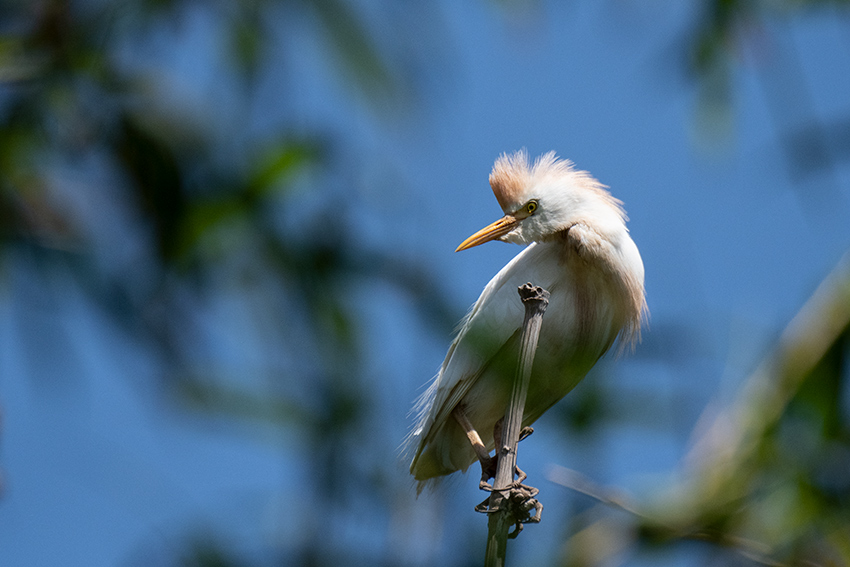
(579, 249)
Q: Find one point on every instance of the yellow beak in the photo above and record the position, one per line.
(490, 232)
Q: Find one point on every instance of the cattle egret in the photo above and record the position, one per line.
(579, 249)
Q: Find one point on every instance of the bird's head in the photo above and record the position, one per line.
(542, 199)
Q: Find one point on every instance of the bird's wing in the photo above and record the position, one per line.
(491, 322)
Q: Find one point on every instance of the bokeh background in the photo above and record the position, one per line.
(227, 270)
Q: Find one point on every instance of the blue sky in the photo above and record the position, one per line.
(103, 471)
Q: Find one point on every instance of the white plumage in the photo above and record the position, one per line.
(579, 249)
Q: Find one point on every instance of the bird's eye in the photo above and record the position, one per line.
(530, 207)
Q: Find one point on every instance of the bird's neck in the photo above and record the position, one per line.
(609, 265)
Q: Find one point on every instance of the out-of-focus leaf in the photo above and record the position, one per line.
(230, 400)
(359, 56)
(281, 164)
(819, 399)
(248, 38)
(813, 148)
(206, 215)
(17, 65)
(157, 178)
(208, 552)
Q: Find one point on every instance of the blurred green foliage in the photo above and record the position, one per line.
(103, 173)
(153, 207)
(766, 480)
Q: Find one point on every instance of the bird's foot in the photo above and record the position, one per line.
(484, 507)
(520, 476)
(519, 502)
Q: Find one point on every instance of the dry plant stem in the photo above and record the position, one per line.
(535, 299)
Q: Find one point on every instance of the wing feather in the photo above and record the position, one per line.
(493, 319)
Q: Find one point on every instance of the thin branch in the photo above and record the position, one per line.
(617, 498)
(610, 496)
(535, 299)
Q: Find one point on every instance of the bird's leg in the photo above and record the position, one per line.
(520, 476)
(488, 463)
(521, 497)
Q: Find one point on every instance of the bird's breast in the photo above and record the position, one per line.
(585, 307)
